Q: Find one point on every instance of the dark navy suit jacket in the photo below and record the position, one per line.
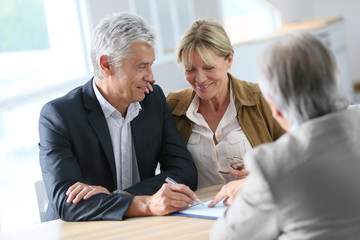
(75, 145)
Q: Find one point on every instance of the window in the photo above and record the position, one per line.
(244, 20)
(170, 20)
(42, 56)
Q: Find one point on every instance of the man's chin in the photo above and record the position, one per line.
(141, 97)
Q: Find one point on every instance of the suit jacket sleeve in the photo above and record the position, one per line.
(252, 214)
(62, 166)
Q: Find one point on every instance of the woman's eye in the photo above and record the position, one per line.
(209, 68)
(189, 70)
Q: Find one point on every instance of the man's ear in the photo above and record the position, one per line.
(275, 112)
(277, 115)
(104, 62)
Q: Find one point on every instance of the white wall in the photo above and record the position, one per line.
(295, 10)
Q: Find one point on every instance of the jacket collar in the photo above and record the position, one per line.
(98, 122)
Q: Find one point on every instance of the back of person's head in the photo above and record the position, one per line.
(299, 74)
(202, 36)
(115, 34)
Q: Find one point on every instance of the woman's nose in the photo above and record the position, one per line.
(200, 76)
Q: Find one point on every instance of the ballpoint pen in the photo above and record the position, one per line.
(170, 180)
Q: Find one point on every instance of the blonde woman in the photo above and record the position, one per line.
(220, 118)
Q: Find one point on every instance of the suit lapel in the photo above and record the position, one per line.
(98, 123)
(138, 133)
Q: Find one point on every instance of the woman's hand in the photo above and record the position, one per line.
(149, 87)
(239, 172)
(228, 192)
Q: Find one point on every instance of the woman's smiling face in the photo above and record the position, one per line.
(209, 81)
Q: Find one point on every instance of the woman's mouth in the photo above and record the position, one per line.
(203, 87)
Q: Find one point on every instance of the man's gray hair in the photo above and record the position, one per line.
(299, 74)
(115, 34)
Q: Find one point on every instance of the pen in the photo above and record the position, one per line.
(170, 180)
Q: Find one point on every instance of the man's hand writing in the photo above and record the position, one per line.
(170, 198)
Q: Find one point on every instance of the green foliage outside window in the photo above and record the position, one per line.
(23, 25)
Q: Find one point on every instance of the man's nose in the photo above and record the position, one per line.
(149, 74)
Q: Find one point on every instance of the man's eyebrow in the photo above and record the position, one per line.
(145, 63)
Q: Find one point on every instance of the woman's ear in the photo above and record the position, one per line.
(230, 60)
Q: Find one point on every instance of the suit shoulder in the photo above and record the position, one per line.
(276, 159)
(65, 101)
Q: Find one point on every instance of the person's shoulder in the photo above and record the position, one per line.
(179, 95)
(156, 95)
(276, 159)
(247, 93)
(66, 101)
(179, 101)
(249, 86)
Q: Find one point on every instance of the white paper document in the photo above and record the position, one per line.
(201, 211)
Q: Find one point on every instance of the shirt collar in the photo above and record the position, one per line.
(108, 109)
(230, 113)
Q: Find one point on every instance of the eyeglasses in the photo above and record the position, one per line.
(232, 163)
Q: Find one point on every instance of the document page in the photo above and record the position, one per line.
(201, 211)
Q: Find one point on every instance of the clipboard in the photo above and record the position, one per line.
(200, 211)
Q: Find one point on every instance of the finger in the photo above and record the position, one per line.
(152, 81)
(227, 201)
(91, 193)
(74, 192)
(72, 187)
(81, 194)
(238, 174)
(177, 193)
(239, 167)
(181, 192)
(149, 87)
(218, 198)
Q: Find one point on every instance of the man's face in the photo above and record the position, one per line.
(130, 80)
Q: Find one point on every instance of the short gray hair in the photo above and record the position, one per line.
(299, 73)
(115, 34)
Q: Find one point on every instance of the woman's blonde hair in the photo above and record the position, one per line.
(202, 36)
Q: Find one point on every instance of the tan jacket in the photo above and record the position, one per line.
(254, 114)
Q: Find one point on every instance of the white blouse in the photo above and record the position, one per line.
(208, 157)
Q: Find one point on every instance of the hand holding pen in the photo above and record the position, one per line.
(172, 181)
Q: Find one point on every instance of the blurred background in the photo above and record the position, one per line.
(44, 53)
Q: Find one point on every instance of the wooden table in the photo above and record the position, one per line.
(154, 227)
